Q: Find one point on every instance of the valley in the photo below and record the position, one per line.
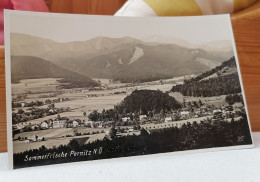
(107, 88)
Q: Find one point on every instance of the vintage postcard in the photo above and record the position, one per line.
(83, 88)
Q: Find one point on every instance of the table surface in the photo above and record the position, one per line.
(234, 165)
(247, 36)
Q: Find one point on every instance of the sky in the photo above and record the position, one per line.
(67, 27)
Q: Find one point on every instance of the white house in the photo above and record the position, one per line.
(35, 127)
(217, 111)
(142, 117)
(40, 138)
(125, 119)
(59, 123)
(26, 141)
(75, 124)
(19, 127)
(32, 138)
(44, 125)
(130, 129)
(184, 113)
(88, 124)
(168, 119)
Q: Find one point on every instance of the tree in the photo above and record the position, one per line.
(20, 111)
(112, 133)
(75, 132)
(144, 132)
(84, 113)
(200, 103)
(74, 144)
(43, 148)
(162, 113)
(150, 114)
(93, 116)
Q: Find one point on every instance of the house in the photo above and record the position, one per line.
(44, 125)
(168, 119)
(35, 127)
(125, 119)
(23, 104)
(92, 124)
(130, 129)
(142, 117)
(32, 138)
(88, 124)
(217, 111)
(26, 141)
(75, 124)
(97, 124)
(183, 113)
(40, 138)
(59, 123)
(19, 127)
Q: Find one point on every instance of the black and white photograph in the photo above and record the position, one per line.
(88, 87)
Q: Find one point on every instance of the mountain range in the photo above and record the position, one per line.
(123, 59)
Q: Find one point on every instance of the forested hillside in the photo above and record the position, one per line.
(223, 84)
(147, 100)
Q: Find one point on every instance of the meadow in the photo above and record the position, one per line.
(85, 100)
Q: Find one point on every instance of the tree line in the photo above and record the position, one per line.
(206, 134)
(223, 85)
(215, 86)
(232, 98)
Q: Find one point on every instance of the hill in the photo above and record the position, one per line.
(28, 67)
(206, 85)
(123, 59)
(141, 62)
(147, 100)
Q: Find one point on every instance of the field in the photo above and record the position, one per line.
(80, 100)
(84, 100)
(35, 86)
(216, 101)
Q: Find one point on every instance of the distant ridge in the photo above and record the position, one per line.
(29, 67)
(123, 59)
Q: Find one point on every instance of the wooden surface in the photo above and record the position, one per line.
(104, 7)
(3, 137)
(246, 28)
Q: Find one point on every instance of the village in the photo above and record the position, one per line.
(88, 115)
(128, 124)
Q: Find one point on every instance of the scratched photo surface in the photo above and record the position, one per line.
(98, 87)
